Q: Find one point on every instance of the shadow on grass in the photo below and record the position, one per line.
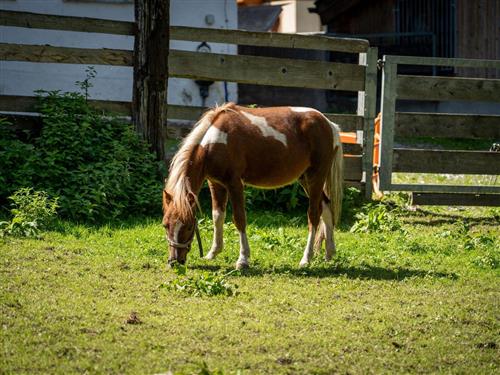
(352, 272)
(437, 218)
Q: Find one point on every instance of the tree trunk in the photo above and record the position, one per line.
(149, 102)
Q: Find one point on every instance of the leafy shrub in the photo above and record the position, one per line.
(97, 165)
(32, 212)
(208, 284)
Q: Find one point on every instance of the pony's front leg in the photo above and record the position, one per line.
(219, 202)
(240, 220)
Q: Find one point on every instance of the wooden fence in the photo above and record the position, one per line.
(466, 126)
(361, 77)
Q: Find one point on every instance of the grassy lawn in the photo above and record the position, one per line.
(419, 299)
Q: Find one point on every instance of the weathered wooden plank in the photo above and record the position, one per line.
(65, 55)
(455, 199)
(67, 23)
(266, 39)
(443, 61)
(447, 88)
(388, 108)
(432, 188)
(240, 37)
(194, 65)
(443, 161)
(267, 71)
(447, 125)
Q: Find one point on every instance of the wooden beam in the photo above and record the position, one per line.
(447, 125)
(444, 61)
(447, 88)
(67, 23)
(454, 199)
(441, 161)
(388, 108)
(65, 55)
(218, 67)
(267, 39)
(267, 71)
(240, 37)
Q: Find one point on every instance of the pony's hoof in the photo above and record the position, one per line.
(303, 263)
(210, 256)
(241, 265)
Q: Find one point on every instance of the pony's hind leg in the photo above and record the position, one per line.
(219, 202)
(240, 221)
(315, 191)
(327, 229)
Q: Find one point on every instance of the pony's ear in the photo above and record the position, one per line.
(167, 198)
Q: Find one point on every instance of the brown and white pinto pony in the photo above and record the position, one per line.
(264, 147)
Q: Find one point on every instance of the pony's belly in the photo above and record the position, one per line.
(274, 177)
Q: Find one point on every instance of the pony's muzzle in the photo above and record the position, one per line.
(177, 256)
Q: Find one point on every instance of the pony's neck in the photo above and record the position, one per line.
(195, 170)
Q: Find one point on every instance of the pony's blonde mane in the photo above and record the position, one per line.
(177, 184)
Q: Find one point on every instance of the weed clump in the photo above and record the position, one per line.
(376, 218)
(205, 284)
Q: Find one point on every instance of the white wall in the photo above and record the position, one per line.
(111, 83)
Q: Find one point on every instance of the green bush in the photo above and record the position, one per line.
(32, 212)
(97, 165)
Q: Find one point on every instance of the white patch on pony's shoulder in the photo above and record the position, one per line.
(267, 131)
(302, 109)
(214, 135)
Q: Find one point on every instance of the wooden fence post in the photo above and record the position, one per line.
(149, 103)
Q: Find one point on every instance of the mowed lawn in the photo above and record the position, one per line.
(422, 299)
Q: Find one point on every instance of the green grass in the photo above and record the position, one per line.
(421, 299)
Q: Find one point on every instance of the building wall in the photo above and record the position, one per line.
(478, 34)
(111, 83)
(295, 16)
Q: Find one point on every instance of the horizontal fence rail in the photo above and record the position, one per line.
(447, 88)
(208, 66)
(439, 125)
(444, 161)
(418, 124)
(240, 37)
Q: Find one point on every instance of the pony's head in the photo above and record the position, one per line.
(179, 227)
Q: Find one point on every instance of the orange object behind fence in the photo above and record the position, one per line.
(352, 138)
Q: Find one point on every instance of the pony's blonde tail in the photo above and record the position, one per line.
(334, 185)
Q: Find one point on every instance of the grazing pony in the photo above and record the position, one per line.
(264, 147)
